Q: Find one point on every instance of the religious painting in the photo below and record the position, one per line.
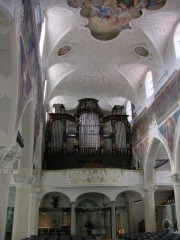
(140, 152)
(107, 18)
(29, 33)
(64, 50)
(167, 129)
(141, 51)
(165, 100)
(31, 45)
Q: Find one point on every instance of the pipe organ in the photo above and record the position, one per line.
(86, 137)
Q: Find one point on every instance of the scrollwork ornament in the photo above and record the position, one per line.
(175, 178)
(8, 155)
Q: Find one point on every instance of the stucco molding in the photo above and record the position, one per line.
(175, 178)
(8, 155)
(24, 181)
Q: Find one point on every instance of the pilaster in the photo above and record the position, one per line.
(8, 155)
(22, 208)
(176, 180)
(149, 209)
(113, 221)
(73, 219)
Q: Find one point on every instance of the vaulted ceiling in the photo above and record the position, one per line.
(102, 49)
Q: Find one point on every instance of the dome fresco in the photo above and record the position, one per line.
(107, 18)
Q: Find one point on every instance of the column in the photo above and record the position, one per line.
(129, 202)
(4, 190)
(113, 221)
(73, 218)
(176, 180)
(22, 206)
(34, 211)
(8, 155)
(149, 210)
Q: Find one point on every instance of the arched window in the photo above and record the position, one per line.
(129, 111)
(149, 85)
(177, 42)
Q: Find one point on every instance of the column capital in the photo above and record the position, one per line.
(175, 178)
(8, 155)
(73, 203)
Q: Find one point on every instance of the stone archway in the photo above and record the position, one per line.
(129, 211)
(54, 214)
(93, 215)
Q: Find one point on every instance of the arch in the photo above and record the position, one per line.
(151, 155)
(49, 191)
(129, 207)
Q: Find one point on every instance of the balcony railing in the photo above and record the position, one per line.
(57, 158)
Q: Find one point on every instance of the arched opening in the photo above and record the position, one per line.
(129, 212)
(93, 215)
(54, 214)
(158, 164)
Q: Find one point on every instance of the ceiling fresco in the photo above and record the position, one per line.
(107, 18)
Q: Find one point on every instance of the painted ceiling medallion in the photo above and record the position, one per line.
(141, 51)
(107, 18)
(62, 51)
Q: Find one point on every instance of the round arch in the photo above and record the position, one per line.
(154, 142)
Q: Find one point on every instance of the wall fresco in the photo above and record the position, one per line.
(163, 103)
(107, 18)
(139, 152)
(167, 129)
(25, 84)
(31, 80)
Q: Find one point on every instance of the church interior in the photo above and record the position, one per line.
(89, 123)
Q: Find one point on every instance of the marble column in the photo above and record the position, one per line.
(149, 210)
(8, 155)
(129, 202)
(113, 221)
(34, 211)
(176, 180)
(73, 218)
(22, 207)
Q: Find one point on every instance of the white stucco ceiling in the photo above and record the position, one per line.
(110, 71)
